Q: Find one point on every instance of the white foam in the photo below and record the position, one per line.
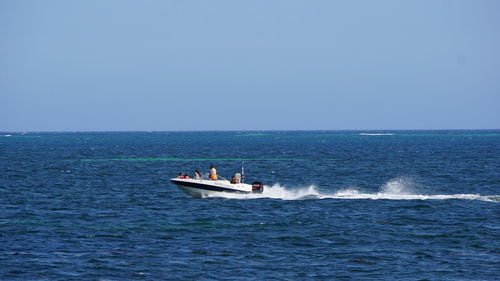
(396, 189)
(376, 134)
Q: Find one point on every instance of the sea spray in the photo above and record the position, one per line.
(400, 188)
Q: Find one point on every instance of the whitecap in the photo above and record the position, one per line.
(376, 134)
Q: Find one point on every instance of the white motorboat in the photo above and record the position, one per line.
(201, 188)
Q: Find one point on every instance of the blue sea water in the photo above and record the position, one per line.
(341, 205)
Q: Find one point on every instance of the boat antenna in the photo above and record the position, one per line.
(242, 172)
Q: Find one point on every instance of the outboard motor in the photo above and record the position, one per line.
(257, 187)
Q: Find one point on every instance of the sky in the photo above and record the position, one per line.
(118, 65)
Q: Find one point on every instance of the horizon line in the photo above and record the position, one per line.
(244, 130)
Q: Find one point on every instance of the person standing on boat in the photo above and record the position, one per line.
(213, 173)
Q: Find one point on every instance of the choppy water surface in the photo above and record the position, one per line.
(405, 205)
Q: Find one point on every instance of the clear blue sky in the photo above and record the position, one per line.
(249, 65)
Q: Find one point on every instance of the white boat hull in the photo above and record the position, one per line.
(210, 188)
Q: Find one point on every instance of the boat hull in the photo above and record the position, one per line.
(210, 188)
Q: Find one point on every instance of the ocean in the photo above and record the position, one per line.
(340, 205)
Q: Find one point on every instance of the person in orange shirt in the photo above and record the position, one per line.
(213, 173)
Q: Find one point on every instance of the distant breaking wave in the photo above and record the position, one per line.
(376, 134)
(396, 189)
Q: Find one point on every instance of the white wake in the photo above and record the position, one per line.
(396, 189)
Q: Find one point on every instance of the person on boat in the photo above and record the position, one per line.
(180, 176)
(236, 179)
(197, 175)
(186, 176)
(213, 173)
